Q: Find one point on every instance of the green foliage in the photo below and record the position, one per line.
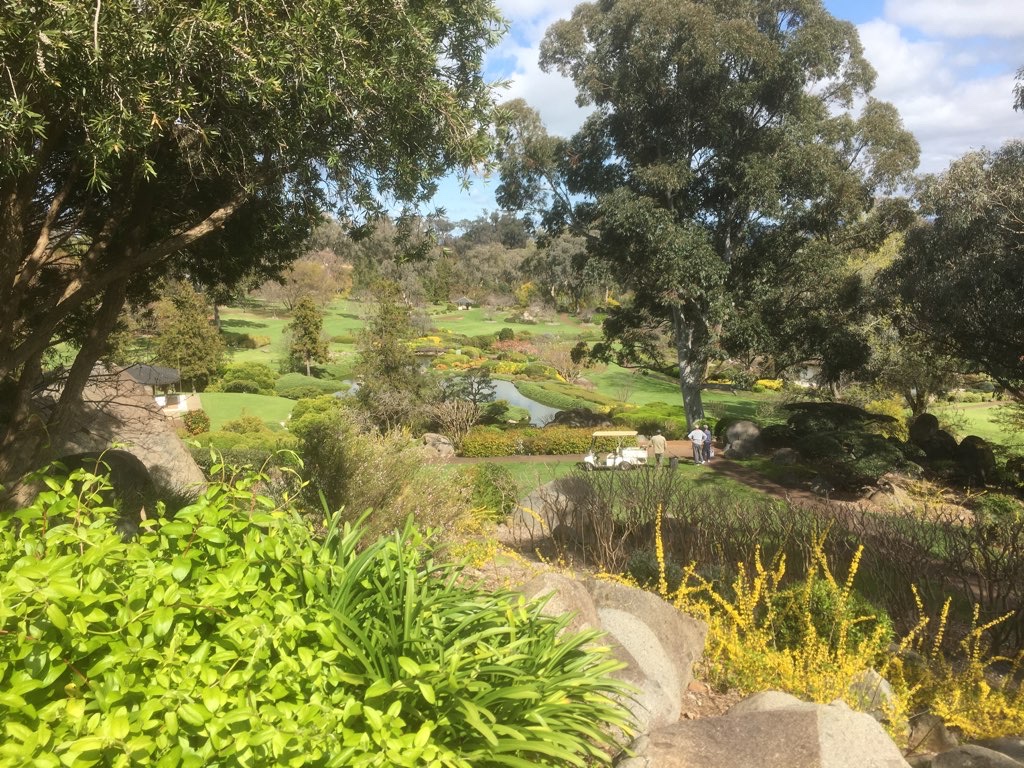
(242, 386)
(236, 340)
(255, 450)
(820, 604)
(357, 470)
(960, 272)
(484, 441)
(505, 334)
(649, 418)
(186, 339)
(298, 385)
(494, 488)
(196, 422)
(306, 342)
(231, 636)
(246, 424)
(557, 394)
(392, 386)
(260, 374)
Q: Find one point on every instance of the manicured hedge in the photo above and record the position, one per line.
(294, 381)
(530, 441)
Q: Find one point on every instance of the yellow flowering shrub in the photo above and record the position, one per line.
(772, 385)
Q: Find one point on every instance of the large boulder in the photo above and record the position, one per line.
(439, 445)
(563, 595)
(923, 429)
(117, 410)
(770, 730)
(1011, 746)
(658, 644)
(974, 756)
(940, 447)
(975, 459)
(742, 439)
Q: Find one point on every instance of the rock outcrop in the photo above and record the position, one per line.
(117, 411)
(657, 644)
(769, 730)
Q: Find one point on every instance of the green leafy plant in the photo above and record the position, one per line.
(230, 636)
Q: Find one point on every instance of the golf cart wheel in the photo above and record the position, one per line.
(625, 466)
(587, 466)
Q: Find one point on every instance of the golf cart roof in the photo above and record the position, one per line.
(615, 433)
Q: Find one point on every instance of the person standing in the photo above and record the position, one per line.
(697, 439)
(658, 443)
(707, 443)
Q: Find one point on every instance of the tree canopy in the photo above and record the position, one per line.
(962, 270)
(723, 149)
(138, 138)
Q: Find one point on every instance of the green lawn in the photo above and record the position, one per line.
(976, 419)
(473, 322)
(532, 475)
(222, 407)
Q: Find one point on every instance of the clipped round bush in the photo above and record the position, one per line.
(260, 375)
(505, 334)
(291, 381)
(231, 636)
(196, 422)
(241, 385)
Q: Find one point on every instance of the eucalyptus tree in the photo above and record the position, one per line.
(961, 274)
(141, 137)
(725, 136)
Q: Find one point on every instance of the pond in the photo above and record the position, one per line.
(540, 414)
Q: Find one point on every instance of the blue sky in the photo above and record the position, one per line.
(947, 65)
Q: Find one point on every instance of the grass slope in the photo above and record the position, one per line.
(222, 407)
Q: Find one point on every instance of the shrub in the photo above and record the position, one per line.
(230, 636)
(537, 370)
(246, 424)
(554, 441)
(820, 606)
(493, 488)
(484, 341)
(196, 422)
(505, 334)
(291, 381)
(769, 385)
(651, 417)
(255, 450)
(259, 374)
(343, 338)
(241, 386)
(892, 407)
(356, 470)
(300, 393)
(481, 442)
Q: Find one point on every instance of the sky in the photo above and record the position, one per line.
(947, 65)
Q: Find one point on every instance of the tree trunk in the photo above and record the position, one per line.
(691, 339)
(307, 367)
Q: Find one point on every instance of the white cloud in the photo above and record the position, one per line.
(949, 110)
(959, 18)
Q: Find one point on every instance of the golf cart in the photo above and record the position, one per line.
(622, 457)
